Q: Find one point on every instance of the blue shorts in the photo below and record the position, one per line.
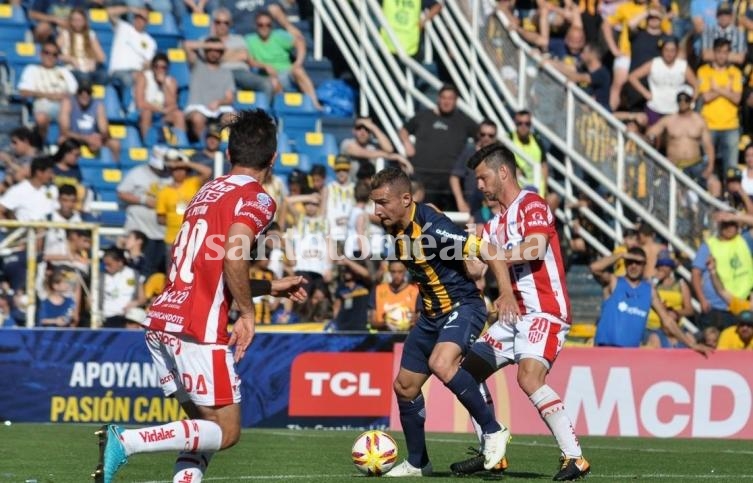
(462, 325)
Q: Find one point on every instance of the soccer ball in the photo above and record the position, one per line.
(374, 453)
(398, 318)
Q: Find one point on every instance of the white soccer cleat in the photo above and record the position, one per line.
(406, 469)
(495, 447)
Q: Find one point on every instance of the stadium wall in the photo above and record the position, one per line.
(344, 381)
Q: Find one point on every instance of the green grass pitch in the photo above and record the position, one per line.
(57, 453)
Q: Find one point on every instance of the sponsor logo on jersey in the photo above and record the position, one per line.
(340, 384)
(264, 199)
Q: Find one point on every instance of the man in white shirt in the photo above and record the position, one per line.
(48, 84)
(32, 199)
(132, 48)
(55, 239)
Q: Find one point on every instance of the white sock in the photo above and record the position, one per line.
(186, 435)
(190, 467)
(552, 411)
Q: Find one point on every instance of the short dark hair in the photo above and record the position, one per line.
(139, 235)
(42, 163)
(51, 43)
(597, 49)
(488, 122)
(160, 57)
(263, 13)
(361, 191)
(721, 42)
(449, 87)
(637, 251)
(523, 112)
(495, 155)
(253, 139)
(391, 177)
(68, 190)
(318, 170)
(646, 229)
(66, 147)
(22, 133)
(115, 253)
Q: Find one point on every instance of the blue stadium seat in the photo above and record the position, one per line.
(195, 26)
(104, 194)
(53, 134)
(160, 133)
(317, 146)
(99, 21)
(179, 67)
(18, 56)
(287, 162)
(95, 159)
(164, 30)
(10, 34)
(297, 112)
(128, 135)
(283, 143)
(318, 70)
(250, 100)
(113, 108)
(13, 25)
(340, 127)
(106, 176)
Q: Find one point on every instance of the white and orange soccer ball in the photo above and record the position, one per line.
(398, 318)
(374, 453)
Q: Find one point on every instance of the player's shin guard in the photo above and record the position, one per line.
(186, 435)
(190, 467)
(552, 411)
(466, 389)
(412, 418)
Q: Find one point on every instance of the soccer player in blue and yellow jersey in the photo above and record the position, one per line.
(434, 250)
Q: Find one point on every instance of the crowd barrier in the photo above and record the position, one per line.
(341, 381)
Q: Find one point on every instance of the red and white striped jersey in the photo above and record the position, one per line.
(539, 285)
(196, 300)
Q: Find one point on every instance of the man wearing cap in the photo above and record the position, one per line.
(212, 86)
(84, 119)
(674, 293)
(738, 336)
(734, 193)
(732, 252)
(138, 191)
(686, 133)
(132, 47)
(338, 199)
(368, 144)
(173, 198)
(724, 28)
(211, 148)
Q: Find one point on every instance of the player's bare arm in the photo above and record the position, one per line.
(290, 287)
(506, 304)
(236, 266)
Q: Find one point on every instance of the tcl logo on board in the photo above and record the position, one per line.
(341, 384)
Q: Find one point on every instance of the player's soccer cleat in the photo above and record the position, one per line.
(495, 447)
(572, 469)
(112, 454)
(407, 469)
(475, 463)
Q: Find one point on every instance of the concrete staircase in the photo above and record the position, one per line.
(585, 294)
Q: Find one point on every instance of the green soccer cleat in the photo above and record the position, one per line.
(112, 455)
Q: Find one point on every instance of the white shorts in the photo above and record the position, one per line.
(538, 336)
(202, 373)
(621, 63)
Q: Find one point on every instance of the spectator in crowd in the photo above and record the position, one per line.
(32, 199)
(565, 47)
(408, 20)
(710, 336)
(316, 308)
(120, 289)
(55, 243)
(209, 152)
(616, 31)
(738, 336)
(244, 13)
(720, 85)
(746, 175)
(309, 244)
(212, 88)
(734, 193)
(351, 305)
(686, 133)
(132, 47)
(368, 145)
(703, 14)
(652, 248)
(724, 28)
(468, 198)
(83, 119)
(156, 96)
(138, 191)
(624, 312)
(235, 57)
(394, 304)
(134, 244)
(298, 192)
(667, 75)
(646, 40)
(6, 312)
(271, 49)
(263, 304)
(357, 241)
(49, 14)
(58, 309)
(317, 178)
(47, 84)
(23, 149)
(65, 167)
(733, 264)
(674, 293)
(629, 240)
(338, 199)
(173, 198)
(522, 24)
(532, 173)
(735, 305)
(80, 49)
(591, 75)
(440, 136)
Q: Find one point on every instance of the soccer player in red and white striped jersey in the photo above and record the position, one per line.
(524, 231)
(187, 332)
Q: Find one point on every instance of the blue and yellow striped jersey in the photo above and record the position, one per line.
(433, 249)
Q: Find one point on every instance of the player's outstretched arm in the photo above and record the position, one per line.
(235, 271)
(290, 287)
